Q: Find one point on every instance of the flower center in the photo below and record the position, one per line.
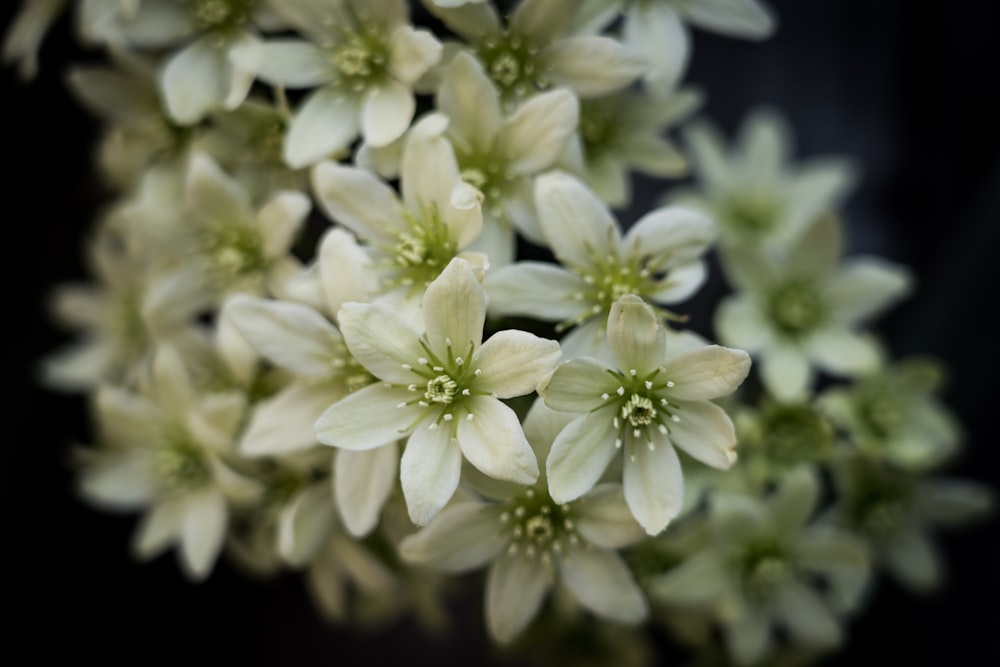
(796, 308)
(484, 171)
(538, 527)
(796, 433)
(764, 566)
(361, 60)
(441, 389)
(644, 409)
(512, 63)
(180, 463)
(419, 254)
(751, 213)
(638, 410)
(221, 15)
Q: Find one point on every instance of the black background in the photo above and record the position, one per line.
(906, 87)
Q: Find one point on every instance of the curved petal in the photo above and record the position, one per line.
(515, 588)
(635, 335)
(785, 372)
(291, 63)
(513, 362)
(454, 309)
(494, 442)
(469, 99)
(654, 485)
(706, 432)
(370, 417)
(325, 124)
(707, 373)
(412, 52)
(212, 194)
(739, 322)
(386, 112)
(429, 471)
(362, 483)
(844, 352)
(195, 81)
(578, 225)
(280, 220)
(202, 531)
(514, 290)
(535, 135)
(357, 199)
(304, 524)
(580, 454)
(605, 519)
(680, 283)
(462, 537)
(804, 614)
(578, 385)
(380, 340)
(863, 287)
(602, 583)
(670, 237)
(285, 422)
(592, 64)
(655, 30)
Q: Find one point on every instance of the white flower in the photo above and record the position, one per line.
(440, 390)
(754, 567)
(361, 57)
(501, 152)
(658, 259)
(624, 131)
(168, 450)
(651, 402)
(534, 49)
(804, 311)
(755, 193)
(411, 239)
(533, 543)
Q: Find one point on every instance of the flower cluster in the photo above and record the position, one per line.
(361, 306)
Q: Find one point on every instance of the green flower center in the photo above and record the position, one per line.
(235, 253)
(446, 384)
(877, 499)
(362, 60)
(750, 213)
(485, 171)
(643, 408)
(764, 566)
(419, 254)
(441, 389)
(538, 527)
(796, 433)
(512, 63)
(796, 308)
(882, 414)
(221, 15)
(180, 463)
(638, 410)
(598, 128)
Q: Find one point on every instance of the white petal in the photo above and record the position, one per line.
(429, 471)
(705, 431)
(462, 537)
(635, 335)
(739, 322)
(748, 637)
(368, 418)
(412, 52)
(513, 290)
(345, 270)
(655, 30)
(285, 422)
(428, 169)
(213, 195)
(380, 340)
(785, 372)
(708, 373)
(738, 18)
(680, 283)
(158, 528)
(602, 583)
(471, 101)
(580, 454)
(455, 309)
(793, 503)
(515, 588)
(174, 391)
(513, 362)
(805, 616)
(577, 385)
(605, 519)
(654, 485)
(280, 220)
(386, 112)
(576, 223)
(362, 483)
(291, 63)
(305, 524)
(698, 581)
(913, 559)
(240, 78)
(195, 81)
(357, 199)
(592, 64)
(325, 124)
(670, 236)
(533, 137)
(291, 335)
(863, 287)
(495, 444)
(844, 352)
(203, 529)
(123, 481)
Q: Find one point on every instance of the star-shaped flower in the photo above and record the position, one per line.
(651, 402)
(441, 390)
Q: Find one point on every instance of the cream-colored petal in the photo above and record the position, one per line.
(469, 99)
(577, 385)
(515, 588)
(370, 417)
(592, 65)
(655, 30)
(580, 454)
(635, 335)
(534, 136)
(202, 532)
(707, 373)
(386, 112)
(602, 583)
(285, 422)
(357, 199)
(494, 443)
(381, 341)
(654, 485)
(325, 124)
(464, 536)
(429, 471)
(605, 519)
(290, 63)
(513, 290)
(455, 310)
(785, 372)
(706, 432)
(513, 362)
(305, 524)
(578, 225)
(412, 52)
(280, 221)
(362, 483)
(195, 81)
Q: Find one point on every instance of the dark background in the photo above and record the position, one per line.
(908, 88)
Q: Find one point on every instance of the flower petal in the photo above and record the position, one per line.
(429, 471)
(362, 483)
(535, 135)
(807, 618)
(464, 536)
(635, 335)
(494, 442)
(513, 362)
(386, 112)
(469, 99)
(602, 583)
(195, 81)
(285, 422)
(698, 581)
(454, 309)
(580, 454)
(606, 520)
(280, 220)
(705, 431)
(863, 287)
(357, 199)
(785, 372)
(708, 373)
(290, 63)
(577, 385)
(670, 236)
(370, 417)
(326, 123)
(515, 588)
(844, 352)
(305, 524)
(739, 322)
(380, 340)
(576, 223)
(591, 65)
(202, 531)
(654, 485)
(513, 290)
